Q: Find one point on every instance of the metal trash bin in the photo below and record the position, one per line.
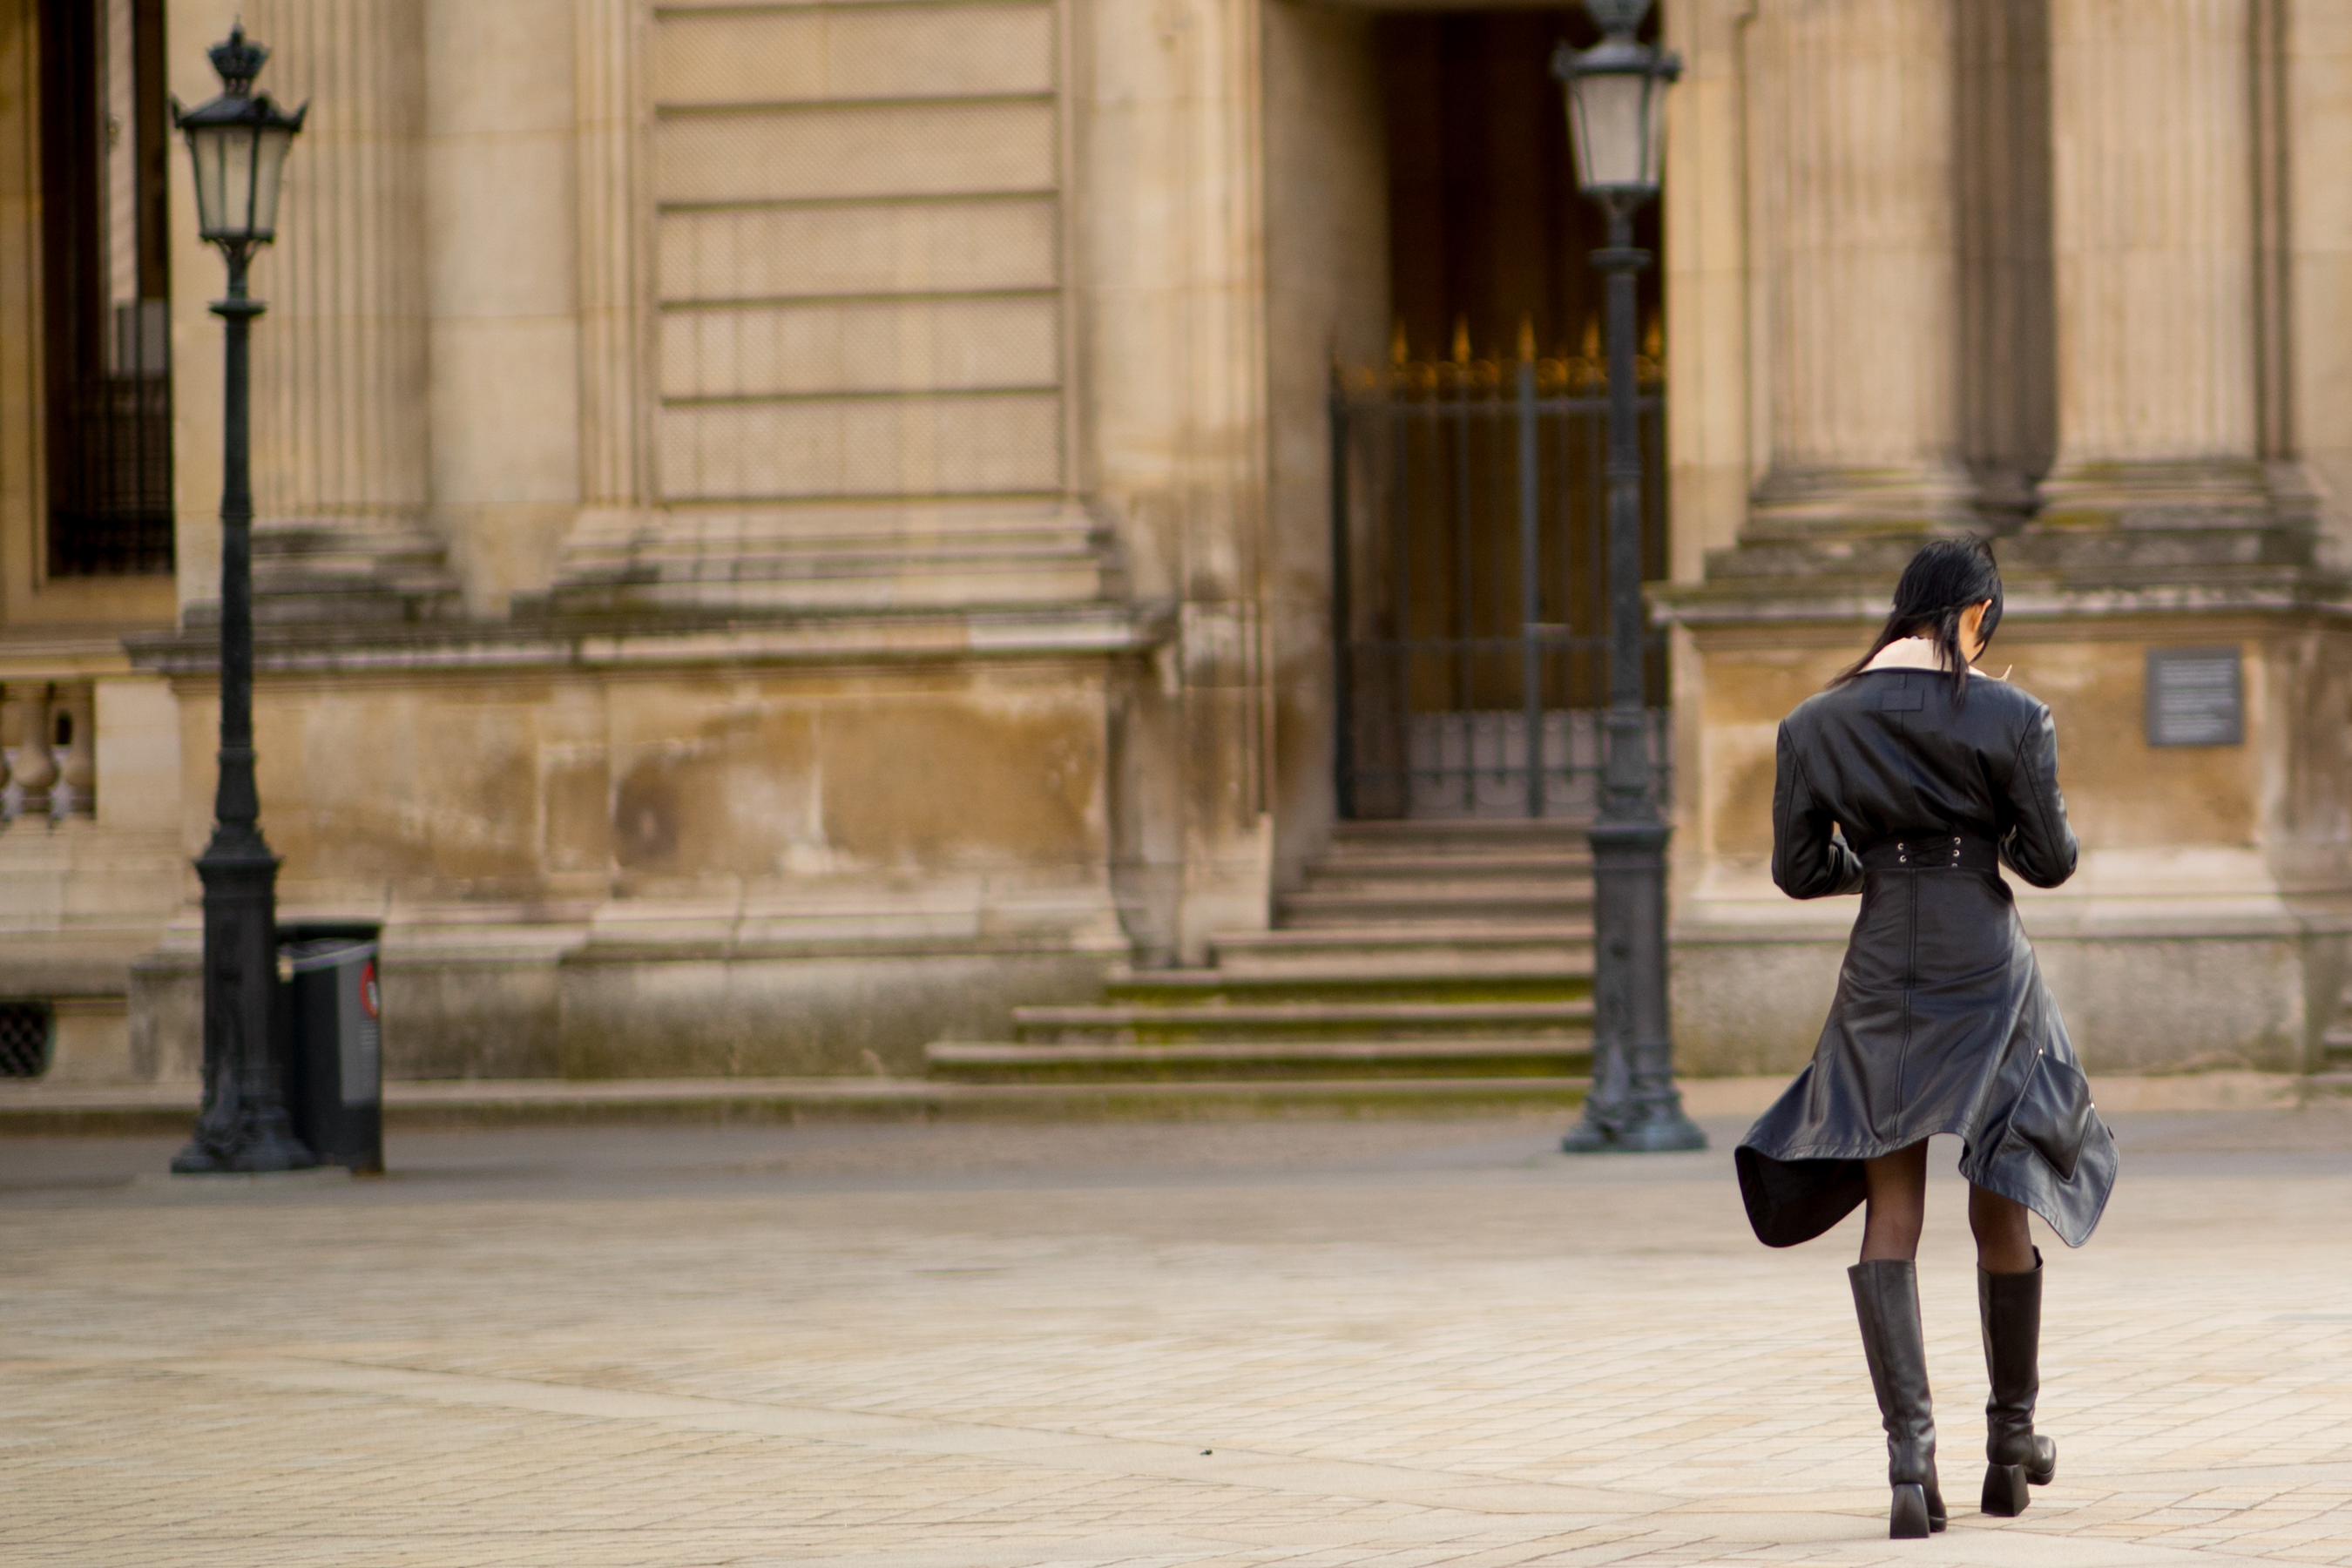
(328, 1007)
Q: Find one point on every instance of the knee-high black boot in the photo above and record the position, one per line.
(2009, 1307)
(1886, 1301)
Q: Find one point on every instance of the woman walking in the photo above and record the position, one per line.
(1912, 780)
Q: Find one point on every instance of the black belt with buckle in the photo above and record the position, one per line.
(1933, 852)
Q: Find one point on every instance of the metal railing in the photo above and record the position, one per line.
(1469, 584)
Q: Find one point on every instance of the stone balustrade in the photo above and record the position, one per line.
(49, 751)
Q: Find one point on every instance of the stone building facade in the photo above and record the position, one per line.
(788, 529)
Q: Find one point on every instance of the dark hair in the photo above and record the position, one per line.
(1945, 578)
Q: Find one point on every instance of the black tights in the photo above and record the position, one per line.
(1898, 1206)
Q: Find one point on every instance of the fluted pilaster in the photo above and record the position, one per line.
(2153, 226)
(612, 405)
(1856, 178)
(339, 455)
(339, 374)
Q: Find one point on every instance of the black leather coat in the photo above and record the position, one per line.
(1889, 787)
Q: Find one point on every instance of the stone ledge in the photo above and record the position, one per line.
(39, 1110)
(1108, 628)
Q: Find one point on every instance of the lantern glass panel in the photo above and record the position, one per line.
(224, 179)
(223, 155)
(271, 145)
(1654, 143)
(1613, 117)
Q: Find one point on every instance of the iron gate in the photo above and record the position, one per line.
(1469, 584)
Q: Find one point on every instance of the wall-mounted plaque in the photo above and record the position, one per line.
(2196, 697)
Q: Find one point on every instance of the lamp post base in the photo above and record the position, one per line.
(1671, 1133)
(244, 1128)
(1632, 1107)
(258, 1145)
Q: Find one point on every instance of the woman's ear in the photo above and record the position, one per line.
(1972, 638)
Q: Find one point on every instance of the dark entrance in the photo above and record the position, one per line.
(105, 137)
(1468, 574)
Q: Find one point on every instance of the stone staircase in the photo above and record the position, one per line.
(1420, 963)
(2336, 1043)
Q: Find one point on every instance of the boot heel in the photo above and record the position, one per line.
(1908, 1521)
(2004, 1491)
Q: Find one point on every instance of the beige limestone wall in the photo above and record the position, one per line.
(500, 256)
(138, 754)
(687, 867)
(727, 784)
(1327, 295)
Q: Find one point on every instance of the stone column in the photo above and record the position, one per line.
(502, 266)
(1173, 240)
(1853, 162)
(339, 362)
(2153, 226)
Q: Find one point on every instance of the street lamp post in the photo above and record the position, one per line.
(1616, 110)
(238, 142)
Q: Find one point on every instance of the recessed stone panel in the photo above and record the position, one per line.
(865, 447)
(916, 345)
(911, 51)
(928, 247)
(864, 150)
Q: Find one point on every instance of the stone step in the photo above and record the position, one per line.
(1241, 1060)
(1484, 866)
(1449, 835)
(1304, 1020)
(1571, 853)
(1408, 947)
(1355, 979)
(1495, 903)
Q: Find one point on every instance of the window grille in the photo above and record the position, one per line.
(26, 1033)
(105, 147)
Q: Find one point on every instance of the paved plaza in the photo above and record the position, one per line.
(1320, 1344)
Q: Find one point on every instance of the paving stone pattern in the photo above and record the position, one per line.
(1310, 1345)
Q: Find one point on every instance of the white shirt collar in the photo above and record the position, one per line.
(1912, 653)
